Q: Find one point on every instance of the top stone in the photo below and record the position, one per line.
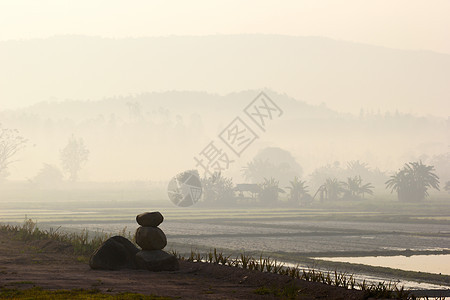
(150, 219)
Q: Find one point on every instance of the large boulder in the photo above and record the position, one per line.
(150, 238)
(115, 253)
(150, 219)
(157, 260)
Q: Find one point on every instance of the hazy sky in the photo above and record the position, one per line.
(406, 24)
(402, 24)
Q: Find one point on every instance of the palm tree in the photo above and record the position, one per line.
(366, 189)
(352, 186)
(269, 190)
(333, 189)
(298, 190)
(355, 189)
(397, 182)
(413, 181)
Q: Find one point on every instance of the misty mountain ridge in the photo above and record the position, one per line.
(345, 75)
(177, 102)
(156, 135)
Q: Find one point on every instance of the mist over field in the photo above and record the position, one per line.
(321, 137)
(96, 89)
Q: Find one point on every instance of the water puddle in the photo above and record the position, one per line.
(438, 264)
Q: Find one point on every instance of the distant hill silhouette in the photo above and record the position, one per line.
(345, 75)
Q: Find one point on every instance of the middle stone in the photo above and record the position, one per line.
(150, 238)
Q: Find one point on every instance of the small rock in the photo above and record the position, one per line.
(150, 219)
(157, 260)
(115, 253)
(150, 238)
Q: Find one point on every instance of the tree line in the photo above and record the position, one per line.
(411, 184)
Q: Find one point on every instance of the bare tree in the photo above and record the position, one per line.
(74, 156)
(10, 143)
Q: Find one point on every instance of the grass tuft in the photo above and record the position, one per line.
(82, 243)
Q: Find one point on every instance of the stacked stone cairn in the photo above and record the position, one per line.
(119, 253)
(152, 240)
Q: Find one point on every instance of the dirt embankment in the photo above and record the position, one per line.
(52, 265)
